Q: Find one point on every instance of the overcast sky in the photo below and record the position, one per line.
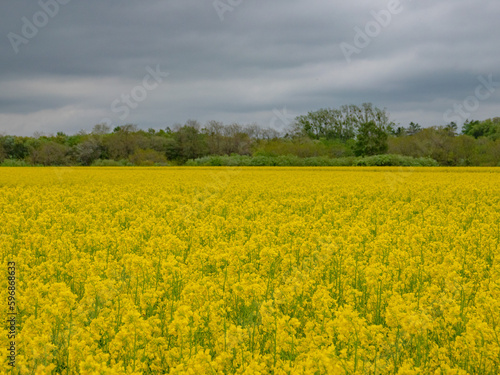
(68, 65)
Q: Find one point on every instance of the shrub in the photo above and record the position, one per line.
(148, 157)
(14, 163)
(395, 160)
(318, 161)
(50, 153)
(111, 163)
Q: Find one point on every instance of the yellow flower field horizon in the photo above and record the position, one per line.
(248, 270)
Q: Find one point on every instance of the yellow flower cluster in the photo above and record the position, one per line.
(253, 270)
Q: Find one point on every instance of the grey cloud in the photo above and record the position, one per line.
(262, 56)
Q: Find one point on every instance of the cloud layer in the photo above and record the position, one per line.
(67, 65)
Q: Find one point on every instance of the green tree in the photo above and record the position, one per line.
(190, 141)
(101, 129)
(413, 128)
(124, 141)
(3, 153)
(50, 153)
(489, 128)
(326, 123)
(88, 151)
(371, 139)
(341, 124)
(214, 131)
(451, 129)
(16, 147)
(236, 141)
(400, 132)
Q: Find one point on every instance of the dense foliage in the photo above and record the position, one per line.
(325, 134)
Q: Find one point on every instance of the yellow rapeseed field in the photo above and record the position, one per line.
(252, 270)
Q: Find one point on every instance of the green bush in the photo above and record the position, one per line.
(395, 160)
(14, 163)
(111, 163)
(318, 161)
(148, 157)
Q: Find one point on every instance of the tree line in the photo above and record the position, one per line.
(350, 131)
